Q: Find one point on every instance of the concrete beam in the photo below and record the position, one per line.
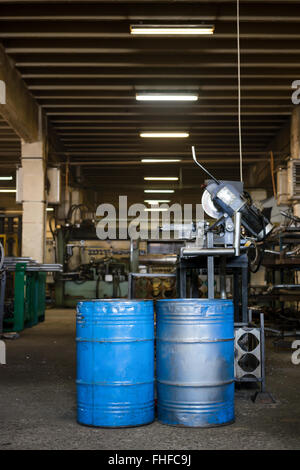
(20, 110)
(188, 45)
(112, 29)
(144, 10)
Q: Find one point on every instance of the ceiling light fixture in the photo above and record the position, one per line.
(6, 178)
(156, 201)
(166, 97)
(157, 160)
(164, 134)
(8, 190)
(159, 190)
(161, 178)
(172, 29)
(156, 209)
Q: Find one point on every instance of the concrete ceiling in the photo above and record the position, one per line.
(83, 67)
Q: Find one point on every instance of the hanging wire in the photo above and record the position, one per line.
(239, 87)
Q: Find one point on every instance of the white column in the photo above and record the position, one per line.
(34, 205)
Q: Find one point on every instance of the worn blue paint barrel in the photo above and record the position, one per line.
(195, 362)
(115, 362)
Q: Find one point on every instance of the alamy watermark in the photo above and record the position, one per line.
(296, 354)
(296, 93)
(138, 221)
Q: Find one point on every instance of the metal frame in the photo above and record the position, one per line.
(259, 352)
(29, 292)
(238, 265)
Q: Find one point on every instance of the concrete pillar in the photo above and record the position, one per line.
(34, 204)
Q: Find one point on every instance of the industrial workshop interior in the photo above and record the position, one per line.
(150, 227)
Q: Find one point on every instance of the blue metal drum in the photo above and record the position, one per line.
(195, 362)
(115, 362)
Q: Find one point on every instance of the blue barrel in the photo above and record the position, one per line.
(195, 362)
(115, 362)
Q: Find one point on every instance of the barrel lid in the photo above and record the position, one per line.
(206, 301)
(116, 300)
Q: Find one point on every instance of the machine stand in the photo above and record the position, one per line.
(263, 398)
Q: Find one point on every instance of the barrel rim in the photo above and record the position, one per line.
(193, 300)
(115, 300)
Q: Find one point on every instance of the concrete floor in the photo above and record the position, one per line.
(38, 403)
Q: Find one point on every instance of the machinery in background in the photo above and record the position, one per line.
(11, 233)
(152, 286)
(2, 276)
(277, 290)
(92, 268)
(99, 269)
(278, 258)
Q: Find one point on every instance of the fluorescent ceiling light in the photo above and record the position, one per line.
(157, 160)
(179, 29)
(50, 209)
(6, 178)
(8, 190)
(166, 97)
(156, 209)
(164, 134)
(159, 191)
(156, 201)
(161, 178)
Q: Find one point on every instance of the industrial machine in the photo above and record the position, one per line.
(11, 233)
(223, 246)
(92, 268)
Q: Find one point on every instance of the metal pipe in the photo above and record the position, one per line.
(262, 349)
(202, 167)
(207, 252)
(283, 333)
(223, 277)
(152, 275)
(237, 233)
(284, 286)
(164, 260)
